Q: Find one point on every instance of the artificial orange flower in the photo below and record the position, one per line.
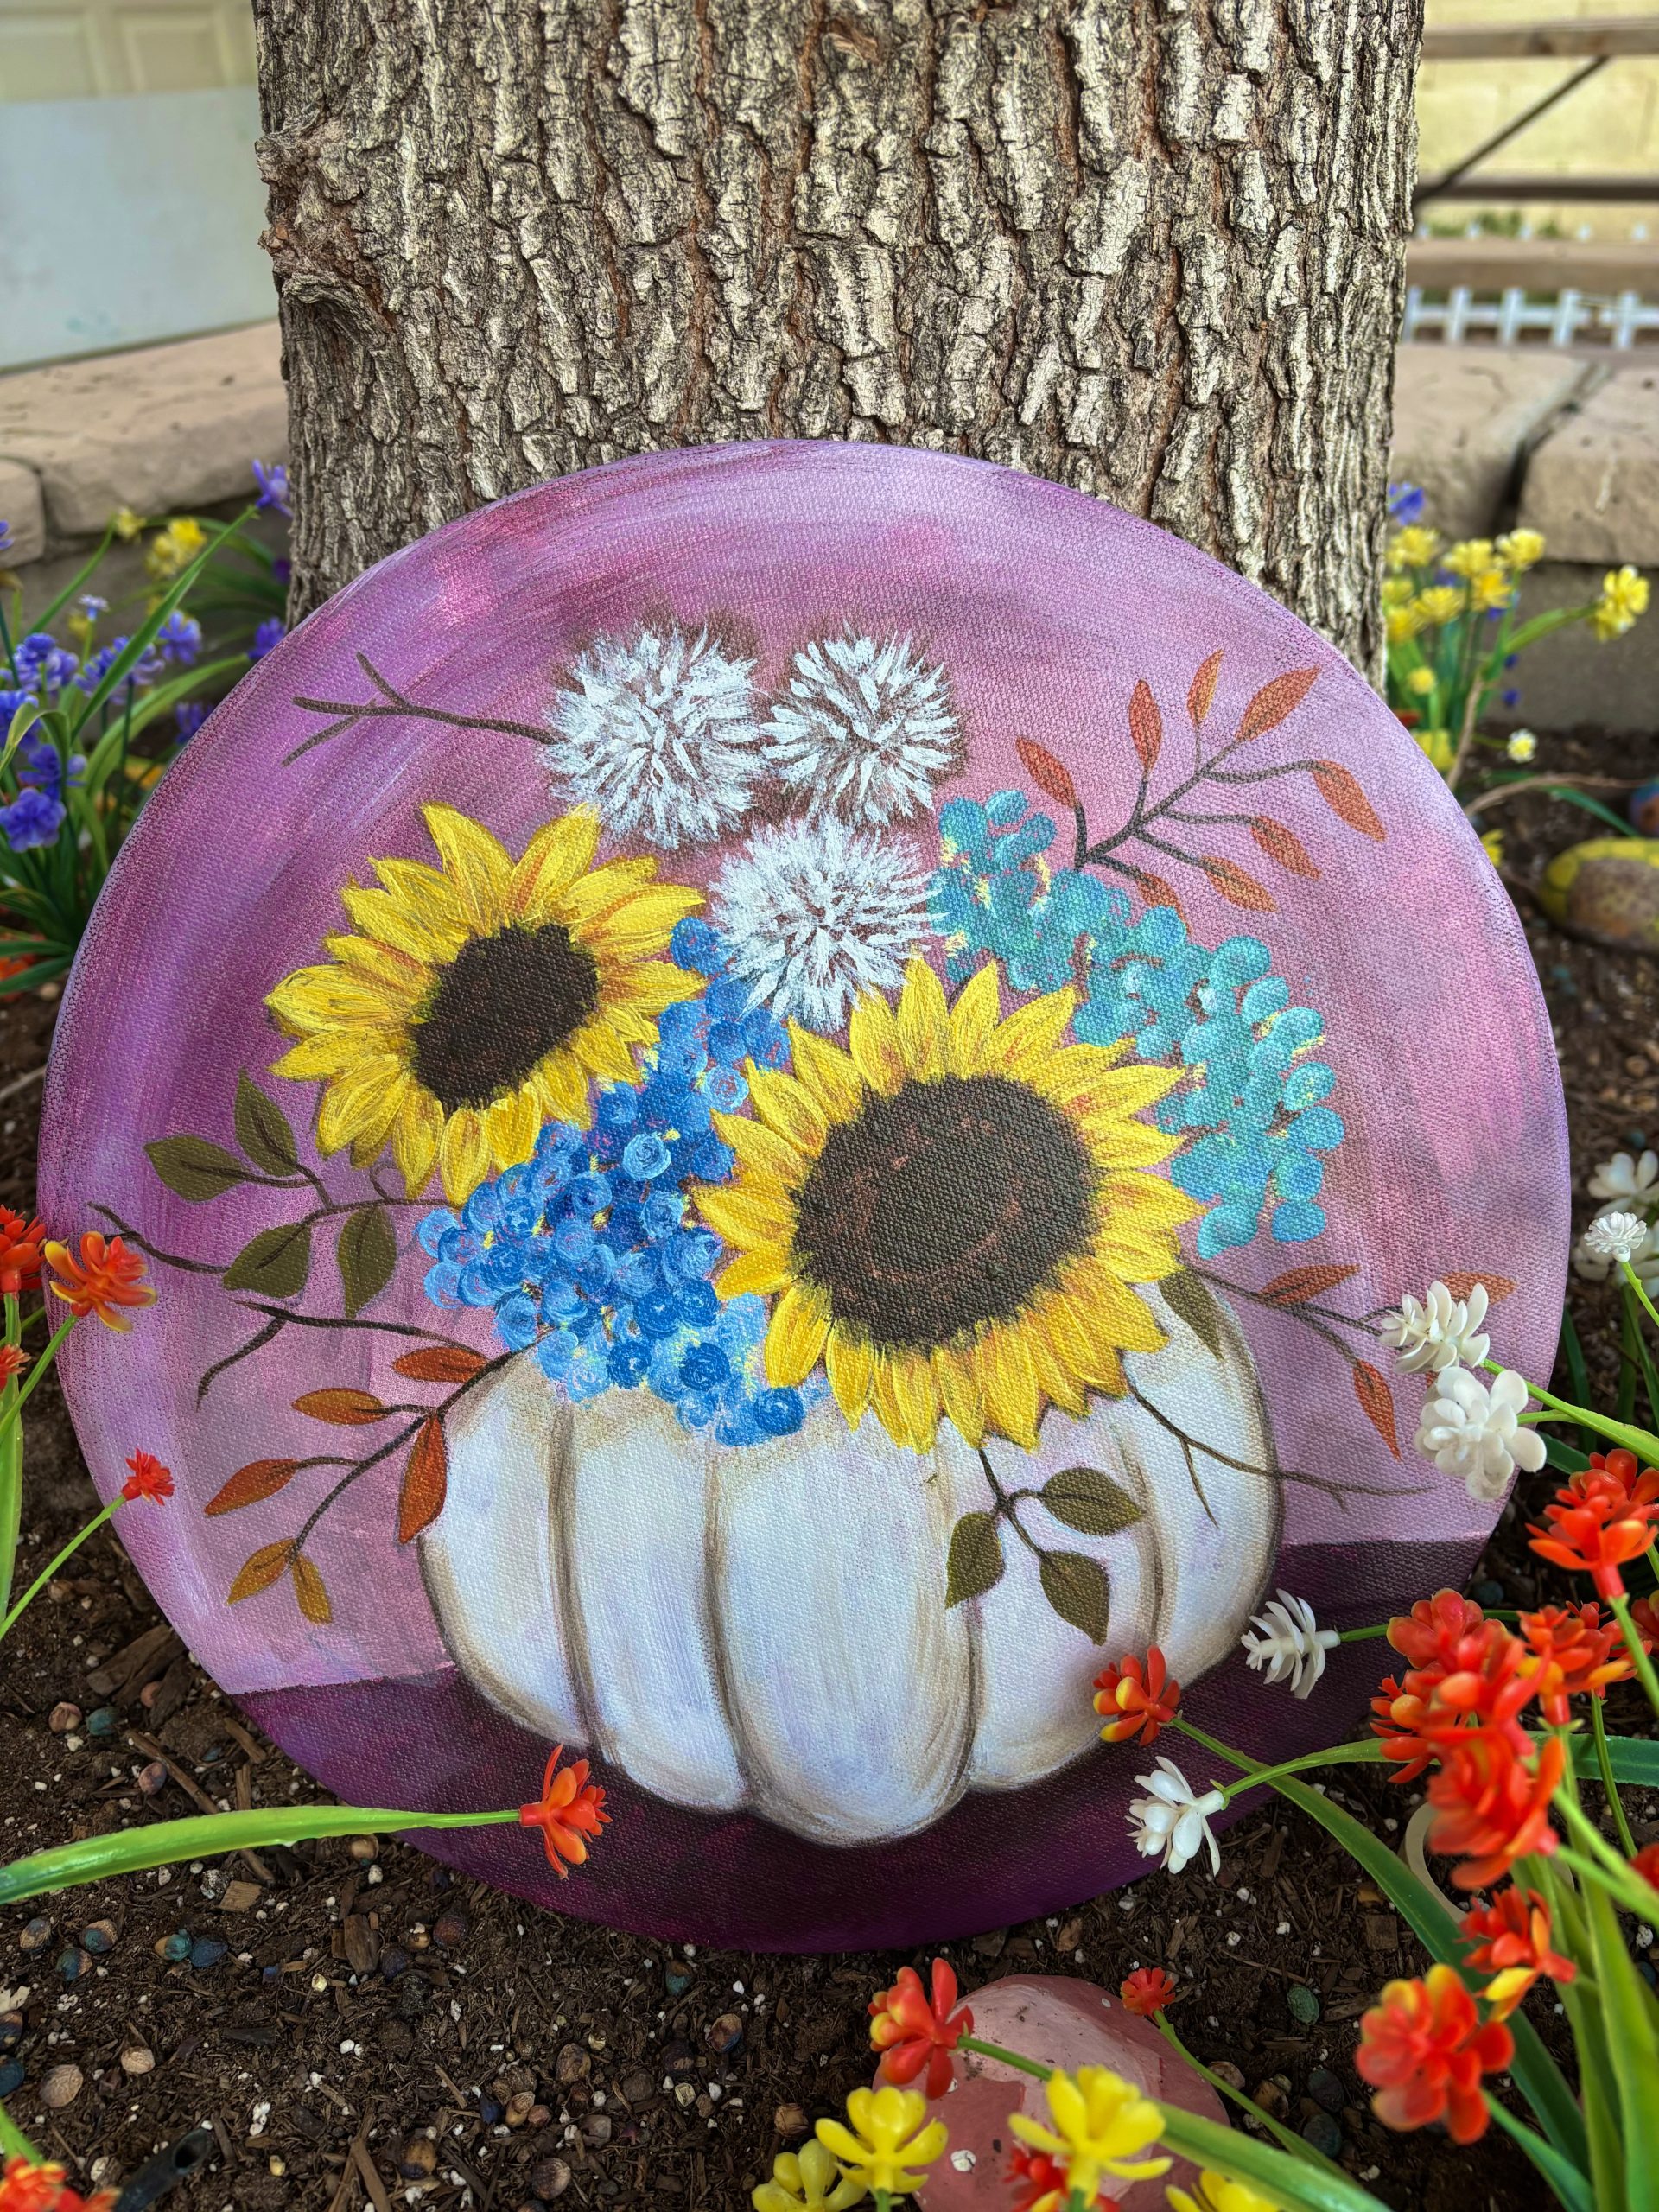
(1577, 1655)
(1493, 1692)
(13, 1360)
(20, 1244)
(1400, 1723)
(11, 965)
(1140, 1696)
(1646, 1863)
(1422, 2047)
(149, 1477)
(1640, 1485)
(25, 2187)
(1644, 1619)
(911, 2032)
(569, 1809)
(1492, 1808)
(105, 1276)
(1043, 2182)
(1147, 1991)
(1434, 1636)
(1474, 1673)
(1596, 1524)
(1512, 1942)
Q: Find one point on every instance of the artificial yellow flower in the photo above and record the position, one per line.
(1491, 588)
(951, 1214)
(1100, 2122)
(1521, 549)
(1413, 547)
(1439, 745)
(1469, 556)
(1396, 590)
(1401, 624)
(809, 2179)
(1623, 596)
(1440, 603)
(1492, 845)
(477, 998)
(1217, 2194)
(174, 548)
(126, 525)
(1420, 680)
(1522, 746)
(887, 2145)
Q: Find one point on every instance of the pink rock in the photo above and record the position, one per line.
(1066, 2022)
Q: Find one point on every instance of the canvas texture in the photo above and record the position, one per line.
(776, 1093)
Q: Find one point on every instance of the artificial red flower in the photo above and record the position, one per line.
(1512, 1942)
(13, 1360)
(1147, 1991)
(104, 1277)
(569, 1809)
(1490, 1693)
(912, 2031)
(1422, 2047)
(149, 1477)
(1646, 1863)
(1639, 1484)
(1475, 1675)
(25, 2187)
(1433, 1636)
(1595, 1526)
(1043, 2183)
(1138, 1695)
(1644, 1617)
(1492, 1807)
(1400, 1723)
(21, 1245)
(1576, 1654)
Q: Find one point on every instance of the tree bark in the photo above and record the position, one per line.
(1151, 248)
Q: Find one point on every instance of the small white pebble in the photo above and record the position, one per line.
(963, 2161)
(1283, 1928)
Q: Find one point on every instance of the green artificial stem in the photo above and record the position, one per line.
(1603, 1865)
(1604, 1767)
(8, 1621)
(1367, 1751)
(206, 1835)
(43, 1359)
(1642, 1441)
(11, 1472)
(1298, 2145)
(1038, 2072)
(1636, 1284)
(14, 2144)
(1633, 1644)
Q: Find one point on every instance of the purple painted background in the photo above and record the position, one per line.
(1045, 608)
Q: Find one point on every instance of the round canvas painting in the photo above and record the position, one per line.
(777, 1093)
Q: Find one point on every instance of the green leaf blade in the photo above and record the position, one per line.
(367, 1252)
(1089, 1500)
(273, 1264)
(262, 1129)
(1078, 1590)
(195, 1169)
(975, 1562)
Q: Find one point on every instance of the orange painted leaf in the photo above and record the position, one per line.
(1377, 1403)
(442, 1364)
(1234, 885)
(1203, 687)
(1275, 701)
(1341, 793)
(345, 1408)
(1146, 725)
(309, 1589)
(251, 1485)
(1051, 777)
(426, 1479)
(1156, 891)
(258, 1572)
(1300, 1283)
(1498, 1287)
(1283, 845)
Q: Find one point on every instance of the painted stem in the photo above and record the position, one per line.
(206, 1835)
(9, 1620)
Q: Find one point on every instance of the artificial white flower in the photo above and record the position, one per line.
(1439, 1330)
(1292, 1645)
(813, 913)
(1596, 1267)
(865, 731)
(1623, 1178)
(1471, 1431)
(1522, 746)
(1614, 1236)
(1172, 1824)
(658, 732)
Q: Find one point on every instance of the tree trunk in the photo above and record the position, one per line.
(1151, 248)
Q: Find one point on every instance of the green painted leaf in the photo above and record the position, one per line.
(1194, 1303)
(367, 1252)
(1089, 1502)
(193, 1168)
(275, 1264)
(262, 1129)
(975, 1564)
(1078, 1591)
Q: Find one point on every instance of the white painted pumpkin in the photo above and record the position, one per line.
(764, 1627)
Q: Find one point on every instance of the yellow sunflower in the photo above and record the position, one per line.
(477, 998)
(951, 1213)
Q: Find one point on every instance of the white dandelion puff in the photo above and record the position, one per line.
(1291, 1644)
(1173, 1823)
(814, 914)
(1471, 1431)
(658, 732)
(1439, 1330)
(864, 731)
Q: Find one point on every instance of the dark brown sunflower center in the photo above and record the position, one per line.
(502, 1004)
(943, 1208)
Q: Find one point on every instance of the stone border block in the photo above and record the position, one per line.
(1592, 485)
(1463, 417)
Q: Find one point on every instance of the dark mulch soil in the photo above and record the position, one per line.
(519, 2058)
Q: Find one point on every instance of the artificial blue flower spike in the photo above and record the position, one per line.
(586, 1253)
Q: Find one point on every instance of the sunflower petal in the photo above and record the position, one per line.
(601, 1052)
(923, 1023)
(1022, 1042)
(423, 896)
(370, 1141)
(786, 1106)
(1146, 1202)
(332, 1051)
(917, 1396)
(325, 998)
(763, 1270)
(475, 862)
(1110, 1311)
(353, 1102)
(644, 922)
(873, 1038)
(761, 1151)
(463, 1155)
(562, 1088)
(850, 1364)
(796, 1335)
(973, 1020)
(588, 896)
(651, 985)
(957, 1376)
(510, 1125)
(1119, 1091)
(414, 1138)
(828, 1073)
(748, 1215)
(555, 857)
(1008, 1384)
(402, 973)
(386, 917)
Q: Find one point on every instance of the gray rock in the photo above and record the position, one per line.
(1593, 486)
(1463, 417)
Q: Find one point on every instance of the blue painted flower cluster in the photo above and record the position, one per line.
(1254, 1108)
(589, 1252)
